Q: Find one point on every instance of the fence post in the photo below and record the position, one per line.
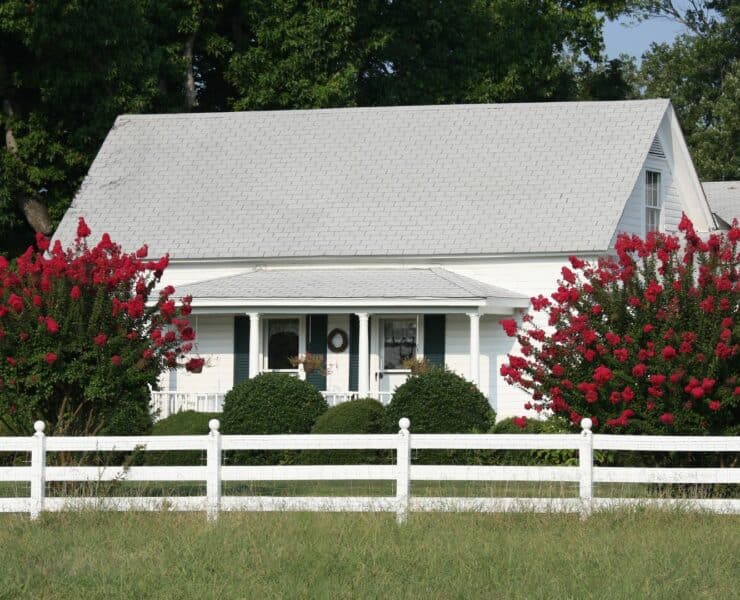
(38, 470)
(213, 471)
(586, 464)
(403, 482)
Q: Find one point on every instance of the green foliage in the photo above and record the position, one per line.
(700, 72)
(552, 425)
(186, 422)
(364, 415)
(272, 403)
(439, 401)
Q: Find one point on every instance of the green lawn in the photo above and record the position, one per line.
(303, 555)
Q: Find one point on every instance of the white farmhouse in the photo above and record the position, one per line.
(372, 235)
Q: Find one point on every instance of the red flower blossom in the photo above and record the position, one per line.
(669, 352)
(100, 339)
(509, 326)
(116, 360)
(15, 303)
(520, 422)
(51, 325)
(602, 374)
(639, 370)
(50, 358)
(83, 230)
(666, 418)
(195, 365)
(714, 405)
(42, 242)
(75, 293)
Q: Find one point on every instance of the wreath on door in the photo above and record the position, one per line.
(337, 340)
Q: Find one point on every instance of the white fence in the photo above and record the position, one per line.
(403, 472)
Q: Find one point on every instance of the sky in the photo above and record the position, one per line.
(621, 37)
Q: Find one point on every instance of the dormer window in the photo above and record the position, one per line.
(652, 201)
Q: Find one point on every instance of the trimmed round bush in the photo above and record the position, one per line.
(272, 403)
(364, 415)
(440, 401)
(187, 422)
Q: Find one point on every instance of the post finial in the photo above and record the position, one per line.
(214, 425)
(404, 424)
(39, 426)
(586, 424)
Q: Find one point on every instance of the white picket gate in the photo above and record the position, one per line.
(403, 472)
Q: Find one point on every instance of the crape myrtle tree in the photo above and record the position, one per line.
(644, 342)
(82, 339)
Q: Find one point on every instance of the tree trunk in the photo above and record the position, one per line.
(191, 94)
(35, 211)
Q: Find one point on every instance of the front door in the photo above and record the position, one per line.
(398, 337)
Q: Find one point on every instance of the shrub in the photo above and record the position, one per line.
(81, 339)
(364, 415)
(187, 422)
(439, 401)
(272, 403)
(549, 456)
(647, 342)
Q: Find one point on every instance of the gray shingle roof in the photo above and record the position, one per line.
(723, 198)
(401, 181)
(431, 283)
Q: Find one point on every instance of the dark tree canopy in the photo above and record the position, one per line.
(68, 68)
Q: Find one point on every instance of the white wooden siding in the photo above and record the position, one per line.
(215, 343)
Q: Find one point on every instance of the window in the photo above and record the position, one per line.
(399, 342)
(282, 342)
(652, 201)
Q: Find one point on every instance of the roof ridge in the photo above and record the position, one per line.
(402, 107)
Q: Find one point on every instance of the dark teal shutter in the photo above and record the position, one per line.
(316, 344)
(354, 346)
(241, 348)
(434, 340)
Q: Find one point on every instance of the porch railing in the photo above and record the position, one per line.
(166, 403)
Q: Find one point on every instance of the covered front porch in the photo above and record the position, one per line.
(366, 325)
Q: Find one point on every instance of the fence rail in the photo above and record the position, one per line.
(403, 472)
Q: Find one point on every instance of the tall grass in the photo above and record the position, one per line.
(639, 554)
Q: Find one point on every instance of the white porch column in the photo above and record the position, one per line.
(363, 352)
(254, 344)
(475, 348)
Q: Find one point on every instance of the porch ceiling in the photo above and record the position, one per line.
(390, 287)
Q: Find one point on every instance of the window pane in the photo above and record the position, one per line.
(399, 342)
(652, 219)
(652, 189)
(282, 342)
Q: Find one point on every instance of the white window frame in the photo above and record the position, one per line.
(265, 333)
(645, 206)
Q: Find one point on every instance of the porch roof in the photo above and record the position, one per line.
(350, 287)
